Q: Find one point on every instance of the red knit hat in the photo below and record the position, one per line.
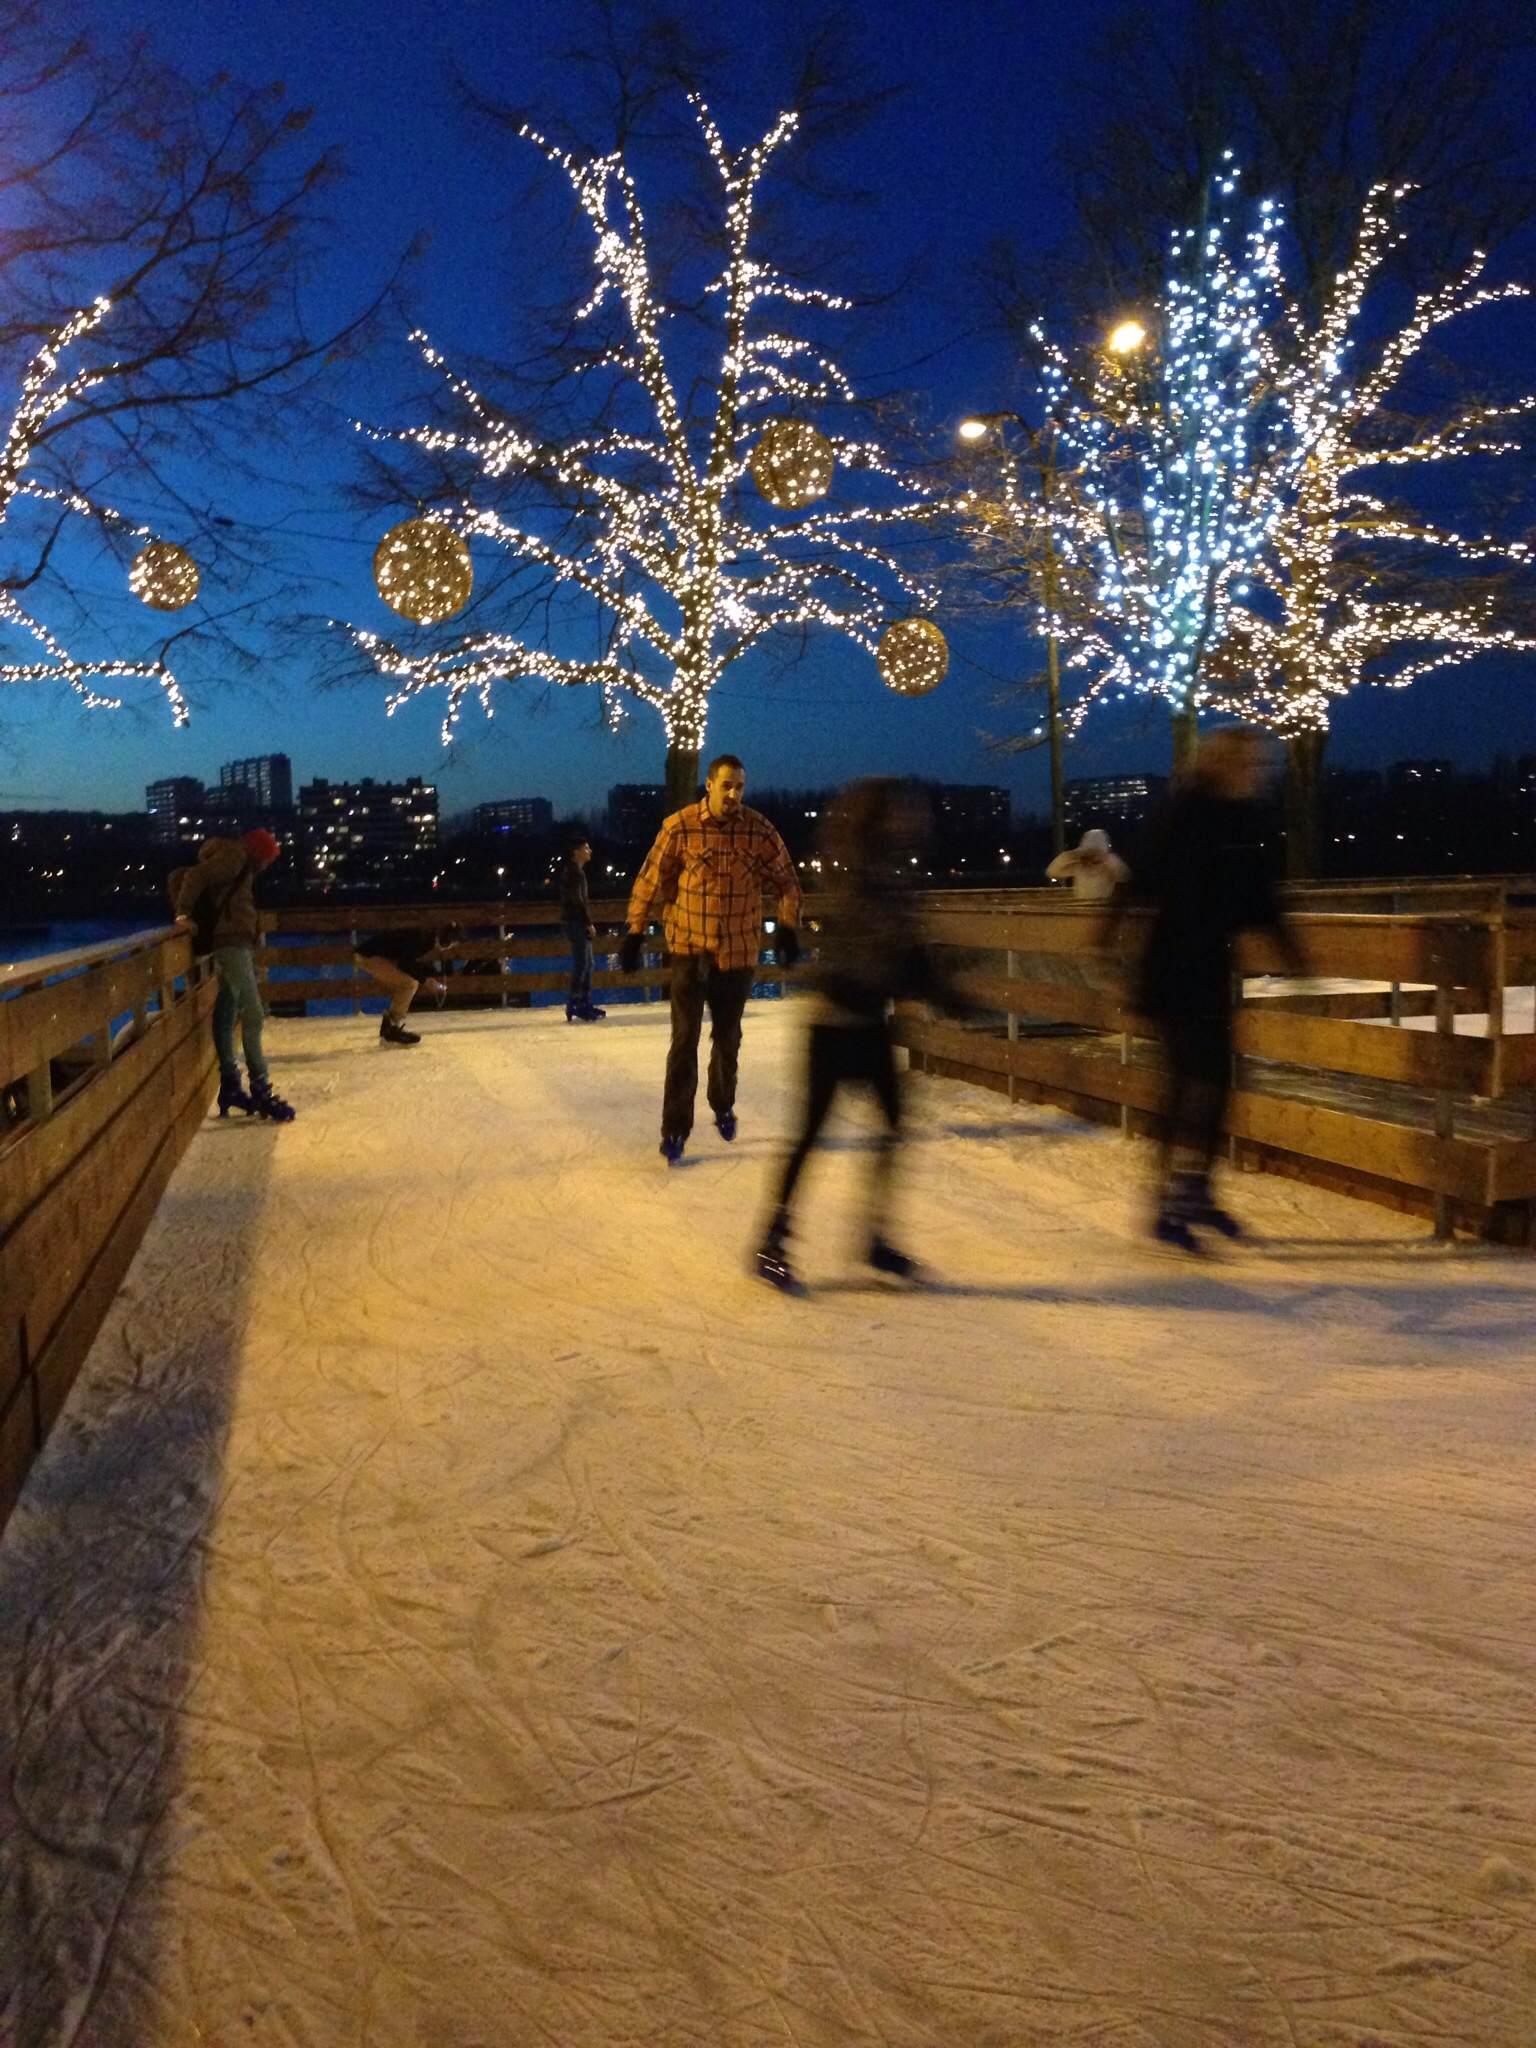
(261, 846)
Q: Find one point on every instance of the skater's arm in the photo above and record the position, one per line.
(657, 879)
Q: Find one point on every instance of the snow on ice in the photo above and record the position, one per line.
(461, 1606)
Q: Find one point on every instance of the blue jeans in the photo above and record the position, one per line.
(581, 962)
(238, 997)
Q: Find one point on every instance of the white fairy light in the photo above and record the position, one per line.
(48, 387)
(686, 566)
(1333, 617)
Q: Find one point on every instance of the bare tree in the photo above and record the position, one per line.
(158, 235)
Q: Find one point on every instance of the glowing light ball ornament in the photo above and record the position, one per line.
(792, 464)
(423, 571)
(913, 657)
(164, 576)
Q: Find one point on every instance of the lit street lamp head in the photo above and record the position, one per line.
(1125, 339)
(974, 429)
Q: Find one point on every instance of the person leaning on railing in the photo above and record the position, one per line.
(708, 871)
(216, 902)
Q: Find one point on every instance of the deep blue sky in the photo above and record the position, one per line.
(964, 155)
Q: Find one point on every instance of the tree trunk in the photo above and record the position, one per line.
(1186, 738)
(1303, 804)
(682, 776)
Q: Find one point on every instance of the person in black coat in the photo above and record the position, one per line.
(576, 921)
(1203, 869)
(869, 955)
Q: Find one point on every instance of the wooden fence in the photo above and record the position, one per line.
(106, 1069)
(1339, 1086)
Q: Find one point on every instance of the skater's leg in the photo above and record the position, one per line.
(237, 972)
(225, 1011)
(727, 989)
(399, 986)
(581, 965)
(823, 1072)
(690, 974)
(880, 1070)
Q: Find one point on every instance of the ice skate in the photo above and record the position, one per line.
(885, 1258)
(1172, 1223)
(725, 1124)
(671, 1150)
(1206, 1213)
(233, 1096)
(771, 1259)
(267, 1104)
(391, 1033)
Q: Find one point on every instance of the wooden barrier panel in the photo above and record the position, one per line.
(80, 1176)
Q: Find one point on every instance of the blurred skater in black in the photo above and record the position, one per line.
(1204, 871)
(869, 954)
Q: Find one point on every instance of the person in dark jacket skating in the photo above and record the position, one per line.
(216, 899)
(576, 922)
(401, 962)
(869, 955)
(1204, 871)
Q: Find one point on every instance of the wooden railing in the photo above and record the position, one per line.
(106, 1069)
(1434, 1118)
(475, 965)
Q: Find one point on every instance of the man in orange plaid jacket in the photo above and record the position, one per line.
(709, 870)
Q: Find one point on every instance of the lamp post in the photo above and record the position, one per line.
(1042, 445)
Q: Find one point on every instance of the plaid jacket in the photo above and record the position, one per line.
(710, 876)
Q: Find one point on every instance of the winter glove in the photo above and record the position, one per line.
(630, 948)
(786, 945)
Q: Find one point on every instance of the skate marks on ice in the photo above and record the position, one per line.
(594, 1649)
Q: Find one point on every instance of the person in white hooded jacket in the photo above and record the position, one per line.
(1093, 870)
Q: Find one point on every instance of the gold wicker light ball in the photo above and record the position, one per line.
(423, 571)
(913, 657)
(792, 464)
(164, 576)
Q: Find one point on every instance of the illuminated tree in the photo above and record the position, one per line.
(680, 563)
(1353, 586)
(1162, 437)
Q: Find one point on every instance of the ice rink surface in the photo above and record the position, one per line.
(462, 1608)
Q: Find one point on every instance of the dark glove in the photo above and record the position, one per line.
(630, 948)
(786, 945)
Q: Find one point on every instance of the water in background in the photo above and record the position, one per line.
(30, 941)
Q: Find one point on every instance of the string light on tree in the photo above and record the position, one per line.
(682, 568)
(1345, 597)
(50, 384)
(164, 576)
(793, 464)
(913, 657)
(423, 571)
(1161, 432)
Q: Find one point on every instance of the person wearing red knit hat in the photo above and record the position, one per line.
(216, 902)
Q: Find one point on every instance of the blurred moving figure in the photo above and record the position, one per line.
(869, 955)
(1205, 873)
(1094, 872)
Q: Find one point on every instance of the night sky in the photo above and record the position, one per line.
(964, 155)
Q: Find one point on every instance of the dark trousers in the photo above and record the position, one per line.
(859, 1055)
(697, 981)
(1197, 1046)
(581, 962)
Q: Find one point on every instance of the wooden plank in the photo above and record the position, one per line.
(21, 974)
(44, 1022)
(1058, 1002)
(1514, 1170)
(1392, 1152)
(1460, 1166)
(1519, 1059)
(19, 1440)
(44, 1257)
(1064, 930)
(1423, 949)
(60, 1358)
(1417, 1057)
(39, 1156)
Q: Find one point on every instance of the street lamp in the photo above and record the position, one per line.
(1125, 339)
(1042, 443)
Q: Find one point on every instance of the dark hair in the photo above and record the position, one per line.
(860, 834)
(578, 840)
(724, 761)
